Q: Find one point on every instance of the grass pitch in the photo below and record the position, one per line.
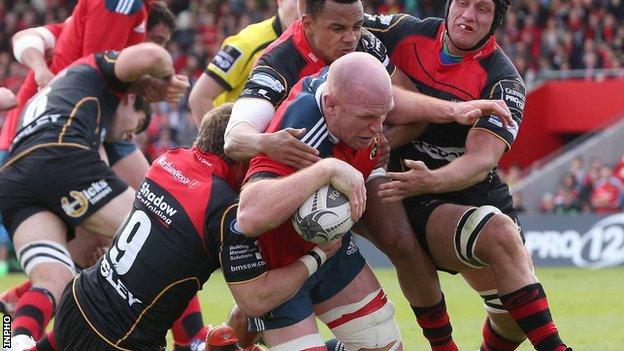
(588, 307)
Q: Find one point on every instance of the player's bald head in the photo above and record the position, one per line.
(359, 78)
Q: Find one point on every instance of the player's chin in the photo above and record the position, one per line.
(359, 142)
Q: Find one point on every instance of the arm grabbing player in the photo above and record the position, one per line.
(483, 151)
(259, 296)
(156, 63)
(34, 47)
(279, 201)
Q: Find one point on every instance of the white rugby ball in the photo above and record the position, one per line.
(324, 216)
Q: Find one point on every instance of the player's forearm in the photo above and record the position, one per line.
(35, 60)
(243, 142)
(266, 204)
(272, 290)
(200, 105)
(413, 107)
(401, 134)
(461, 173)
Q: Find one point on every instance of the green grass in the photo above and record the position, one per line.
(588, 307)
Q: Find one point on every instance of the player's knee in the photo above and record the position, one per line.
(500, 240)
(367, 328)
(472, 236)
(398, 242)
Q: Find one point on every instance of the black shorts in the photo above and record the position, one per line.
(71, 182)
(71, 330)
(420, 208)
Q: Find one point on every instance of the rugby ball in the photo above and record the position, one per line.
(324, 216)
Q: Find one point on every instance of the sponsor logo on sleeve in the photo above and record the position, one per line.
(268, 81)
(227, 57)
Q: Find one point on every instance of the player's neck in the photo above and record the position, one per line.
(453, 50)
(447, 57)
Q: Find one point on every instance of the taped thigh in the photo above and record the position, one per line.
(467, 233)
(44, 251)
(310, 342)
(366, 324)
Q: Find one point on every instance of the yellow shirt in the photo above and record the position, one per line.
(238, 54)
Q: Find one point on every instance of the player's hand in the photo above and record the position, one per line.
(331, 247)
(468, 112)
(285, 147)
(177, 86)
(418, 180)
(349, 181)
(7, 99)
(43, 77)
(384, 151)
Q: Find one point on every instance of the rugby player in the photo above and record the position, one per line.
(181, 229)
(457, 204)
(63, 127)
(329, 29)
(344, 116)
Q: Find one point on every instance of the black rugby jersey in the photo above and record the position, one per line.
(290, 58)
(75, 109)
(175, 237)
(414, 46)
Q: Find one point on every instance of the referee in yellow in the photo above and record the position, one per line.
(224, 78)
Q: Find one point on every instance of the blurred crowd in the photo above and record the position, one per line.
(539, 35)
(591, 186)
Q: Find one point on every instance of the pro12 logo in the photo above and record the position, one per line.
(601, 246)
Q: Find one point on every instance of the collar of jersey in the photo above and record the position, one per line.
(303, 46)
(318, 94)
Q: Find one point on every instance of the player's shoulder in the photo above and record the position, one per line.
(254, 35)
(401, 24)
(500, 67)
(302, 109)
(124, 7)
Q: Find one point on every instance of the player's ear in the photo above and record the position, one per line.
(330, 102)
(306, 21)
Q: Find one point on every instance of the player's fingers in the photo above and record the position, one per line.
(415, 165)
(471, 116)
(394, 198)
(296, 132)
(503, 113)
(300, 154)
(300, 145)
